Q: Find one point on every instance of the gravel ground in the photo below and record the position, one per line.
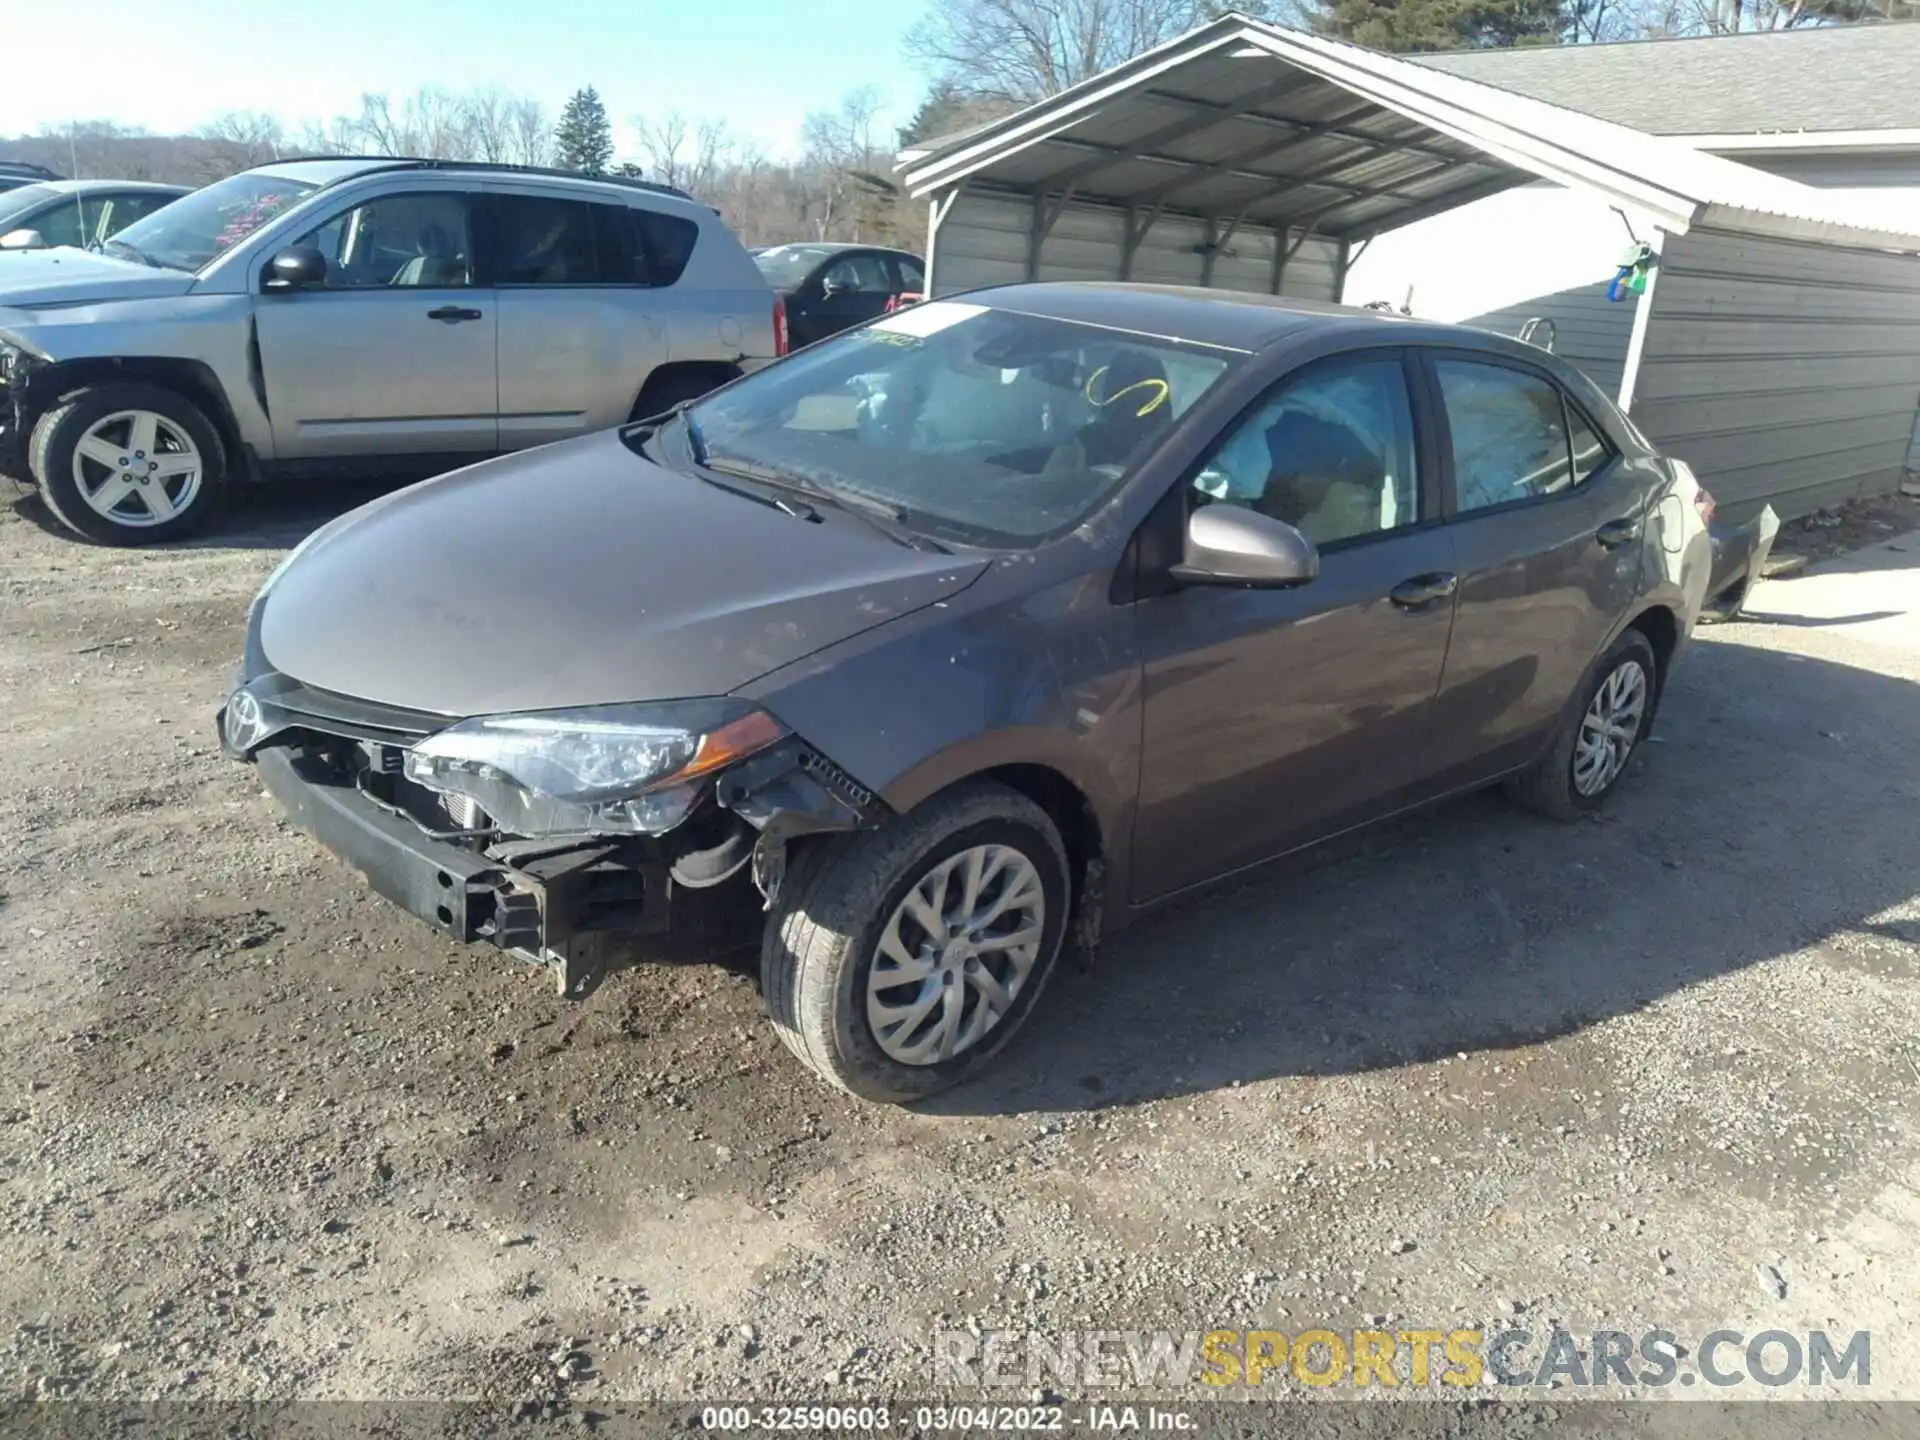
(266, 1137)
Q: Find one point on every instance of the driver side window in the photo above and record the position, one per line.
(1329, 451)
(403, 241)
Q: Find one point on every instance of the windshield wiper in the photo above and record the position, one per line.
(135, 251)
(890, 520)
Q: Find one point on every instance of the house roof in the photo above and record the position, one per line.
(1243, 120)
(1861, 77)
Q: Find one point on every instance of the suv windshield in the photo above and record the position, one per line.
(785, 266)
(195, 229)
(985, 425)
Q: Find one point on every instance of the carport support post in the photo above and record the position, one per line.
(1045, 217)
(1340, 263)
(1135, 234)
(1642, 319)
(937, 211)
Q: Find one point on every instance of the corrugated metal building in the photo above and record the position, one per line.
(1246, 156)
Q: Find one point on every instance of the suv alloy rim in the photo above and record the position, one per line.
(137, 468)
(955, 954)
(1609, 728)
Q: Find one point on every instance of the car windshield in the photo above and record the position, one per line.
(195, 230)
(18, 202)
(787, 265)
(978, 424)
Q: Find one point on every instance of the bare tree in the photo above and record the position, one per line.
(529, 133)
(691, 156)
(486, 115)
(1025, 50)
(246, 138)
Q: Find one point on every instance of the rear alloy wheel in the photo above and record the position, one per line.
(128, 464)
(898, 959)
(1591, 754)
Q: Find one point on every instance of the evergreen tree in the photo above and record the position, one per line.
(1420, 25)
(583, 140)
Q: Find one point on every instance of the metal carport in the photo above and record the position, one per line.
(1246, 156)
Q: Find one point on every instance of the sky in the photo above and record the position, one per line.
(762, 65)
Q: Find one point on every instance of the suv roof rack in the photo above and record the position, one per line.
(21, 167)
(418, 162)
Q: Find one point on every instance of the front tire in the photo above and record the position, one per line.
(128, 463)
(1614, 714)
(899, 959)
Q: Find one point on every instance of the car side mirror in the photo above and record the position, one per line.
(298, 267)
(22, 240)
(1231, 545)
(829, 287)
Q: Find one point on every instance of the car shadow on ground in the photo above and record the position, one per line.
(254, 517)
(1768, 815)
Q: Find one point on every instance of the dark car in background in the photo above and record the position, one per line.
(81, 213)
(15, 173)
(828, 288)
(973, 632)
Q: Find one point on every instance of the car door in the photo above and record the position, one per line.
(848, 290)
(59, 223)
(1272, 717)
(1546, 518)
(581, 323)
(394, 353)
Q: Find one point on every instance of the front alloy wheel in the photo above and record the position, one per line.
(128, 463)
(897, 959)
(137, 468)
(955, 954)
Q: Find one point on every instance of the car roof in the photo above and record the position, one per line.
(1232, 319)
(332, 169)
(824, 248)
(92, 187)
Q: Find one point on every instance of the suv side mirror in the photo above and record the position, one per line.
(22, 240)
(298, 267)
(1231, 545)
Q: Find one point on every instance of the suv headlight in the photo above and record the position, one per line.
(608, 770)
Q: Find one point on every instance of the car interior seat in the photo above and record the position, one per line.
(1324, 480)
(437, 262)
(1134, 405)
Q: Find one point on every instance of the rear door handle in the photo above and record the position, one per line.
(453, 314)
(1422, 591)
(1617, 532)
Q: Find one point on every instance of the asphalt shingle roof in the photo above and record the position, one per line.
(1863, 77)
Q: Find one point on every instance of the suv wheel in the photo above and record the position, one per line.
(1614, 716)
(128, 463)
(898, 959)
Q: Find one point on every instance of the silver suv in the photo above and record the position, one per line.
(366, 315)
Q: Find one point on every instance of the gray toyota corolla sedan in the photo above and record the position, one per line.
(963, 637)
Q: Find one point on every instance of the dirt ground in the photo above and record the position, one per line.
(266, 1137)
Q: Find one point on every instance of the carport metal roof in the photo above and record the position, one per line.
(1248, 122)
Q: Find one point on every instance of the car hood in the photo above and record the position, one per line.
(580, 574)
(67, 276)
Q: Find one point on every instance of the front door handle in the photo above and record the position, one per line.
(1422, 591)
(1617, 532)
(453, 314)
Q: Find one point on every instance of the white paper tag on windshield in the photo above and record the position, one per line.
(929, 318)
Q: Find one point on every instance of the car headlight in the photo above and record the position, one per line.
(608, 770)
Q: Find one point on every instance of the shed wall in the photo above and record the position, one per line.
(986, 239)
(1782, 372)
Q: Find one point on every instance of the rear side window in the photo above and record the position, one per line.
(663, 242)
(1509, 434)
(1590, 452)
(61, 225)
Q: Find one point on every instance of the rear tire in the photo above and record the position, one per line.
(1588, 759)
(846, 897)
(128, 463)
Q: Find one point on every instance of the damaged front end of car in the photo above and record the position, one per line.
(552, 835)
